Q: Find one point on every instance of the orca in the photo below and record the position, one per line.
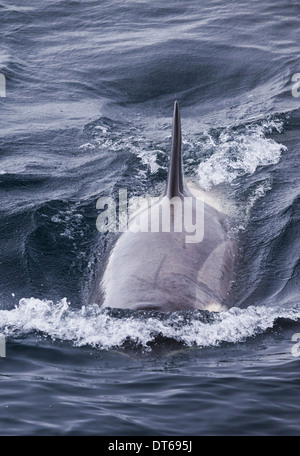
(181, 258)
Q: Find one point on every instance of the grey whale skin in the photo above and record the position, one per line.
(161, 270)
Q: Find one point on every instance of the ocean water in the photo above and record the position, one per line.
(90, 88)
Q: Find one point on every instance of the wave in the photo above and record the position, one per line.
(237, 152)
(211, 158)
(112, 328)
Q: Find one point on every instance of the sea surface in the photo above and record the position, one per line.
(90, 87)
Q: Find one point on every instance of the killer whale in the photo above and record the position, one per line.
(164, 267)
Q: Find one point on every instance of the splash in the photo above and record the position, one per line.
(220, 155)
(107, 329)
(237, 152)
(120, 138)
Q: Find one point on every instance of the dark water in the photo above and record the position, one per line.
(90, 89)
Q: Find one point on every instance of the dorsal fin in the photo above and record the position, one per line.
(175, 185)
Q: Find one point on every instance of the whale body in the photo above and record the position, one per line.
(182, 258)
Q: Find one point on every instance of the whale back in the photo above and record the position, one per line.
(170, 269)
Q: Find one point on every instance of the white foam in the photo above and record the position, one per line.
(233, 152)
(87, 146)
(106, 329)
(236, 153)
(149, 159)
